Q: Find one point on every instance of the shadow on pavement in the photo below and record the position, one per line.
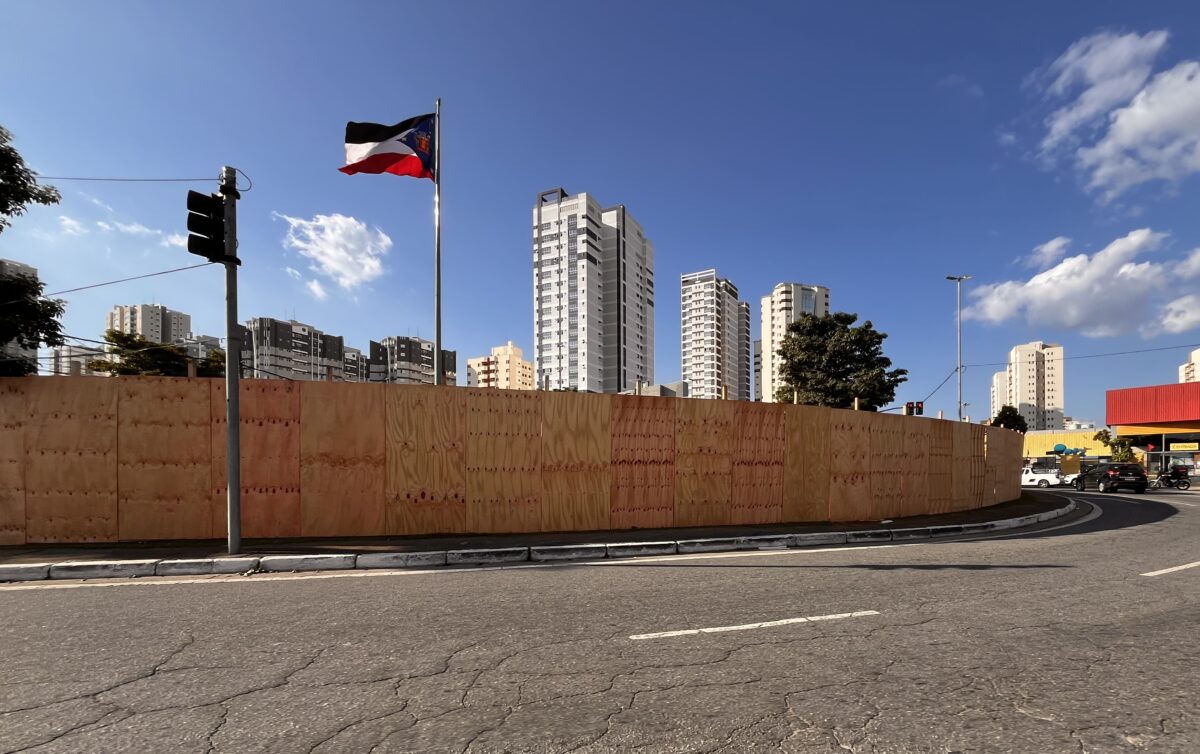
(1116, 512)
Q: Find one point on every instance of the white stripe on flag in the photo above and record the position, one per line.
(359, 152)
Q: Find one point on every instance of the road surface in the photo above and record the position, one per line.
(1079, 638)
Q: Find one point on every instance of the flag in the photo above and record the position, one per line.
(406, 148)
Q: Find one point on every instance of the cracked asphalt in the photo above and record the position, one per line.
(1039, 642)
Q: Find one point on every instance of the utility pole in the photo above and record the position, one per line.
(958, 281)
(212, 227)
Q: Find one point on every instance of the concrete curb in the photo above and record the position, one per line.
(112, 569)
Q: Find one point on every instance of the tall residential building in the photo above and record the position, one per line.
(781, 308)
(279, 349)
(1190, 372)
(758, 370)
(354, 365)
(715, 337)
(154, 322)
(1033, 384)
(505, 368)
(199, 346)
(404, 360)
(63, 357)
(593, 289)
(11, 350)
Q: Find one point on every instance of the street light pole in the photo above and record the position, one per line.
(958, 281)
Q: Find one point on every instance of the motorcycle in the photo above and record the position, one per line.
(1166, 480)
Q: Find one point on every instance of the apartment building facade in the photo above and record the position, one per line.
(1033, 384)
(505, 368)
(715, 337)
(780, 308)
(403, 360)
(1190, 371)
(154, 322)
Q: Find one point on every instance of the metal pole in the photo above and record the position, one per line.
(437, 242)
(958, 309)
(233, 364)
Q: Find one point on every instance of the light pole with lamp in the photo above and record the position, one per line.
(958, 281)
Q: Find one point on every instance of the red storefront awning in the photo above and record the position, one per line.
(1156, 404)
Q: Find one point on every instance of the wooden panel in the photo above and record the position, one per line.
(576, 455)
(643, 462)
(758, 452)
(503, 460)
(426, 490)
(270, 449)
(341, 459)
(163, 458)
(703, 462)
(961, 468)
(71, 459)
(806, 463)
(850, 467)
(12, 460)
(915, 474)
(941, 465)
(978, 494)
(1010, 465)
(888, 464)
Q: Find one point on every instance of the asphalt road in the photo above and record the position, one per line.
(1037, 642)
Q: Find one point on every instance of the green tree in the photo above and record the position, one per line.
(26, 320)
(134, 355)
(1010, 418)
(18, 184)
(827, 361)
(1120, 448)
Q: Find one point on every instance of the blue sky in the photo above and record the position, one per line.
(871, 148)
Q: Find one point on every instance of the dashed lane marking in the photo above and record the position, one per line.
(1173, 570)
(751, 626)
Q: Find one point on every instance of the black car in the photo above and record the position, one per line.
(1111, 477)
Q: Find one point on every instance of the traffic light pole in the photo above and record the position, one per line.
(233, 365)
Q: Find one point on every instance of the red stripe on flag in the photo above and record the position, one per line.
(389, 162)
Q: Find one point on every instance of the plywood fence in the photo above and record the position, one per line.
(86, 459)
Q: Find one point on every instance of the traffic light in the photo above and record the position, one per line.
(920, 408)
(206, 225)
(908, 408)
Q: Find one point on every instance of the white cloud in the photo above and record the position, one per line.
(136, 229)
(1044, 255)
(1007, 138)
(1106, 70)
(96, 202)
(293, 273)
(1155, 137)
(1190, 267)
(316, 289)
(174, 239)
(104, 226)
(71, 226)
(1101, 295)
(1180, 315)
(341, 248)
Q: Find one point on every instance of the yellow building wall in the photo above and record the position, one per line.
(1043, 442)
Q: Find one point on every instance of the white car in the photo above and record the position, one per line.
(1040, 478)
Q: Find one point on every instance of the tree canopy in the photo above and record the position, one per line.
(18, 184)
(133, 355)
(27, 320)
(827, 361)
(1120, 448)
(1010, 418)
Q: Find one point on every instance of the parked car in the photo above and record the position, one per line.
(1112, 477)
(1034, 477)
(1069, 479)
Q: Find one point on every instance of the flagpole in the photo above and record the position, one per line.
(437, 242)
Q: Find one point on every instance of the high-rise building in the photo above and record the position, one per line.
(758, 370)
(354, 365)
(154, 322)
(63, 357)
(11, 350)
(505, 368)
(279, 349)
(198, 346)
(593, 288)
(1190, 371)
(404, 360)
(715, 337)
(781, 308)
(1032, 384)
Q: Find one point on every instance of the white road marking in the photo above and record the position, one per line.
(749, 626)
(1173, 570)
(356, 574)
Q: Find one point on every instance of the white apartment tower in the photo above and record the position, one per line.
(715, 337)
(781, 308)
(593, 295)
(1033, 384)
(155, 323)
(506, 368)
(1190, 372)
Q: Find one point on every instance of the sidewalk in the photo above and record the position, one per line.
(1028, 505)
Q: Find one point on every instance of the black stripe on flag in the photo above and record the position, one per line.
(371, 133)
